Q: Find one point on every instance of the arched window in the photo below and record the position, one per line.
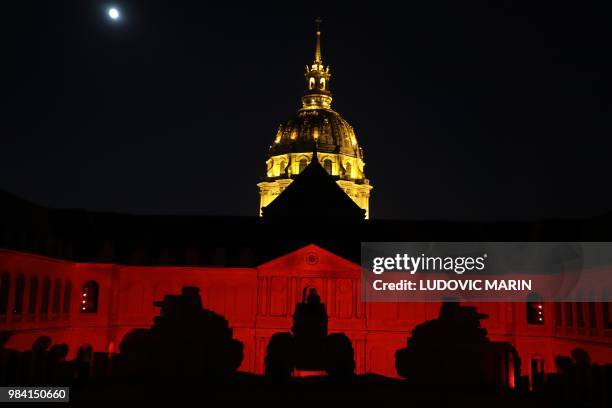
(5, 287)
(57, 294)
(535, 313)
(311, 83)
(19, 289)
(89, 297)
(535, 309)
(303, 164)
(349, 170)
(33, 295)
(322, 82)
(46, 294)
(327, 165)
(67, 294)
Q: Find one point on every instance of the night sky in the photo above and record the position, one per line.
(469, 111)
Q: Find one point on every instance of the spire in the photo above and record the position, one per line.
(318, 59)
(317, 79)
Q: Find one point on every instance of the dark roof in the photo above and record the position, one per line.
(90, 236)
(313, 194)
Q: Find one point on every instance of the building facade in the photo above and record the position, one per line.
(86, 279)
(96, 304)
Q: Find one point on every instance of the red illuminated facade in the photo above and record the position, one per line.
(95, 304)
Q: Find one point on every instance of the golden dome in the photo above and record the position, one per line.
(316, 123)
(319, 133)
(323, 127)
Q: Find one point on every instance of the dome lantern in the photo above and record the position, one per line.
(317, 75)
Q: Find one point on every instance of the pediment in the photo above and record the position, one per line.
(310, 260)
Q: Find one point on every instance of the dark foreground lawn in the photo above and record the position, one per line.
(313, 390)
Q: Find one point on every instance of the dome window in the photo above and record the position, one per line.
(322, 82)
(327, 165)
(281, 168)
(311, 83)
(303, 164)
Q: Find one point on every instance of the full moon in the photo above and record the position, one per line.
(113, 13)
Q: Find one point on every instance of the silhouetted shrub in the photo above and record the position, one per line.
(59, 371)
(280, 356)
(340, 357)
(42, 365)
(580, 381)
(135, 350)
(41, 344)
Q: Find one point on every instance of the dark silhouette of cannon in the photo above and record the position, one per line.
(186, 342)
(310, 331)
(309, 347)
